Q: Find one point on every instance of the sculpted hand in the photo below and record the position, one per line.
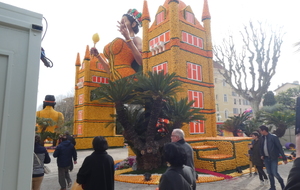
(94, 52)
(123, 29)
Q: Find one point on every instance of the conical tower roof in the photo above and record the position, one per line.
(78, 60)
(87, 55)
(146, 15)
(205, 14)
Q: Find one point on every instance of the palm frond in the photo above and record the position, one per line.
(117, 91)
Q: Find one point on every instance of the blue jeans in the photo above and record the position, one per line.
(272, 170)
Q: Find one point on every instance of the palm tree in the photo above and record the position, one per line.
(180, 112)
(236, 123)
(43, 123)
(278, 116)
(153, 94)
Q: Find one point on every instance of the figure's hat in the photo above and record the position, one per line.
(49, 98)
(136, 15)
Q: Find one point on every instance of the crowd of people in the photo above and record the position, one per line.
(97, 170)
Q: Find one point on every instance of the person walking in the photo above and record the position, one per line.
(73, 141)
(97, 170)
(256, 159)
(64, 153)
(178, 176)
(177, 137)
(40, 158)
(270, 149)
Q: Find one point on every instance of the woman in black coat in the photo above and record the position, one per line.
(178, 176)
(256, 158)
(97, 171)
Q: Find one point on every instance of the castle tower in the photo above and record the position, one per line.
(179, 43)
(92, 118)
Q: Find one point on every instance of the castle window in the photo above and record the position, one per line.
(79, 129)
(197, 97)
(80, 114)
(192, 40)
(80, 82)
(197, 127)
(200, 43)
(160, 17)
(194, 71)
(157, 44)
(98, 79)
(161, 67)
(80, 99)
(189, 17)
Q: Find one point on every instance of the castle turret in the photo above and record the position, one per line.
(145, 23)
(206, 23)
(208, 46)
(77, 65)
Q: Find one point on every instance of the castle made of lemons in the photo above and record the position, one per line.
(175, 42)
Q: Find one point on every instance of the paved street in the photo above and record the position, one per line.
(244, 182)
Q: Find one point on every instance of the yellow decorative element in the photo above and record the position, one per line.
(129, 40)
(96, 38)
(49, 112)
(118, 172)
(139, 179)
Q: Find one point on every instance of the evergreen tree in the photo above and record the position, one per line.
(269, 99)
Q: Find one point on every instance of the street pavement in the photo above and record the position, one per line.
(244, 182)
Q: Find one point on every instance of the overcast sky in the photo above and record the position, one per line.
(71, 25)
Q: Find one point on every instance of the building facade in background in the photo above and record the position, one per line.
(228, 102)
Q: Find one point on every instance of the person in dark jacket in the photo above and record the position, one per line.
(40, 158)
(270, 149)
(178, 138)
(293, 182)
(178, 176)
(97, 171)
(73, 141)
(256, 158)
(64, 153)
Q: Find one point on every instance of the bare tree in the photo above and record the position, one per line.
(249, 69)
(65, 105)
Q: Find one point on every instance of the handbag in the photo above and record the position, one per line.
(46, 169)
